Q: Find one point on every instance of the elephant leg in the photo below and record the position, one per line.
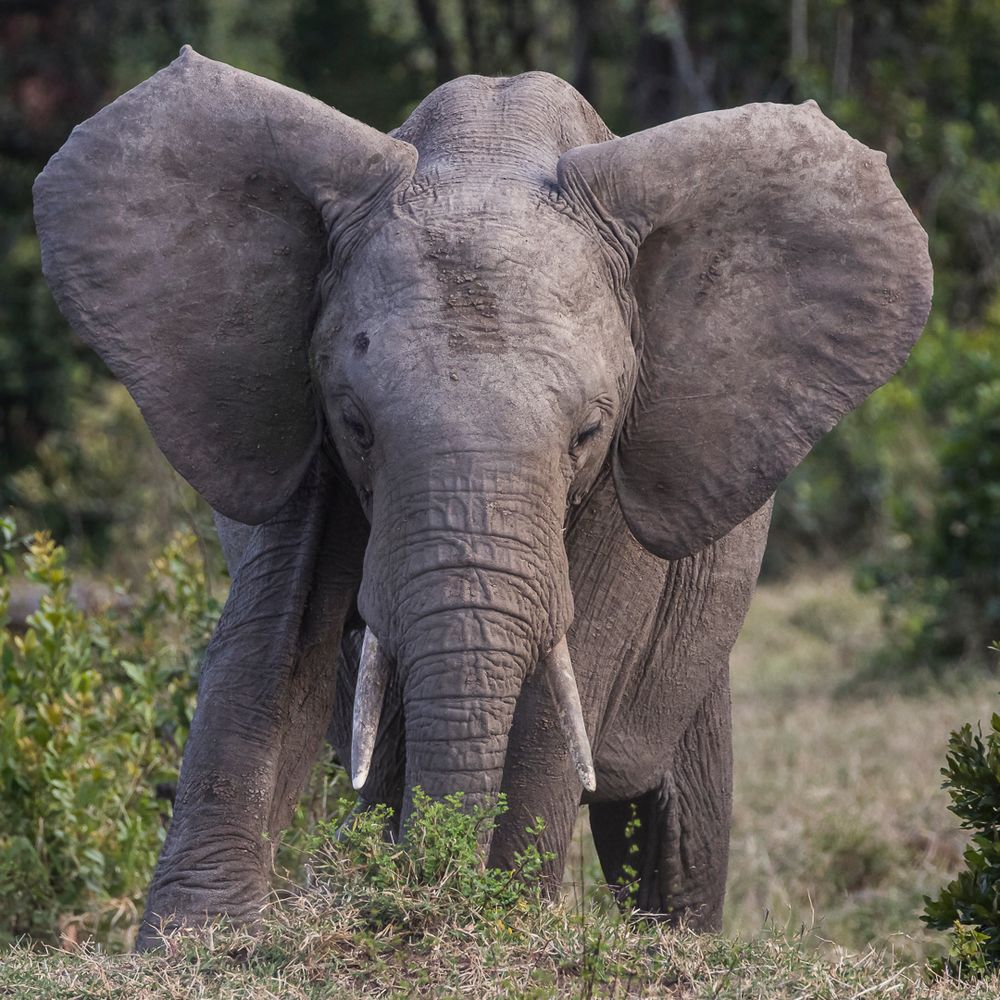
(666, 853)
(265, 696)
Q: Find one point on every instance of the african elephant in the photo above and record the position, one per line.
(505, 393)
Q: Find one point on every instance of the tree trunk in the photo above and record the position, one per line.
(583, 49)
(444, 55)
(471, 23)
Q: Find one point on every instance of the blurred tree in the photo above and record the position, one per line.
(917, 466)
(917, 80)
(55, 62)
(340, 52)
(58, 65)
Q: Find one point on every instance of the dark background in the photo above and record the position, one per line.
(906, 491)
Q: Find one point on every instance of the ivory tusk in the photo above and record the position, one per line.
(373, 675)
(562, 680)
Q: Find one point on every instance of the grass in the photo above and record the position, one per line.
(316, 946)
(840, 827)
(308, 954)
(840, 824)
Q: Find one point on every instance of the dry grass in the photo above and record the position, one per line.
(309, 952)
(840, 822)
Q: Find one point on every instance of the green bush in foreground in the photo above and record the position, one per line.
(969, 906)
(439, 873)
(94, 711)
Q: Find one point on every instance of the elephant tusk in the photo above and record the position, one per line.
(373, 675)
(559, 669)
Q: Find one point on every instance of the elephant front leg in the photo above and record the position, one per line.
(666, 853)
(229, 810)
(265, 698)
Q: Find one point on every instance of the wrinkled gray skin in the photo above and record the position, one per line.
(558, 380)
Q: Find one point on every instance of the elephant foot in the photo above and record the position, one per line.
(189, 911)
(656, 867)
(194, 889)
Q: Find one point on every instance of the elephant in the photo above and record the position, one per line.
(491, 410)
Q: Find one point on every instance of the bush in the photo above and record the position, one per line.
(969, 907)
(94, 711)
(940, 565)
(439, 876)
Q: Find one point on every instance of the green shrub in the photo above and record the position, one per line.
(938, 563)
(969, 907)
(436, 877)
(94, 711)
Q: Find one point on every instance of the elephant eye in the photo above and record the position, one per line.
(590, 429)
(357, 426)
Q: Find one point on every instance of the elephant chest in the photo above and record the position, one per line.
(651, 638)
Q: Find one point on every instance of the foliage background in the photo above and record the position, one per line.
(907, 487)
(903, 498)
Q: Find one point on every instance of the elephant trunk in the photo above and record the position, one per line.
(373, 678)
(464, 673)
(466, 590)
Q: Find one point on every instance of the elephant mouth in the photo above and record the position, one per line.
(375, 669)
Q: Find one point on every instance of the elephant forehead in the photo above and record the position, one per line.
(410, 353)
(498, 263)
(495, 295)
(495, 127)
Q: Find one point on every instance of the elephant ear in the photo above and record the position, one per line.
(780, 278)
(182, 230)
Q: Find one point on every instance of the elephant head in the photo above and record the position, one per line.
(481, 316)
